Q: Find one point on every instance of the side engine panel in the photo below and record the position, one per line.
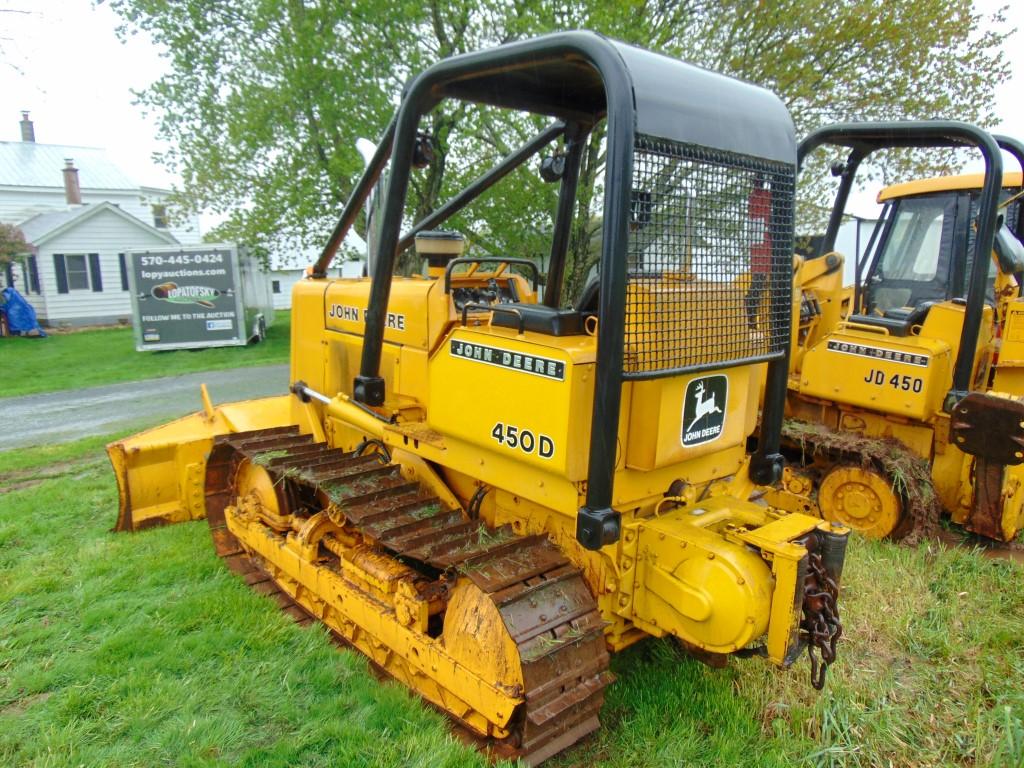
(902, 376)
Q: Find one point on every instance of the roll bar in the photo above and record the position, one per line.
(1014, 147)
(578, 78)
(864, 138)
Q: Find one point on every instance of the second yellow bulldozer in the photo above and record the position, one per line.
(485, 488)
(906, 390)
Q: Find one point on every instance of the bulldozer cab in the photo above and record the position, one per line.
(695, 243)
(929, 257)
(925, 242)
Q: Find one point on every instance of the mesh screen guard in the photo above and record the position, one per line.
(709, 259)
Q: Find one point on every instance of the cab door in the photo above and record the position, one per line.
(915, 260)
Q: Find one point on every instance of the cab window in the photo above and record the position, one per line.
(913, 261)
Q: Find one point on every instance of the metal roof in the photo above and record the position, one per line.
(28, 164)
(42, 224)
(45, 225)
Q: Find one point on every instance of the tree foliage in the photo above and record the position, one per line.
(262, 102)
(12, 243)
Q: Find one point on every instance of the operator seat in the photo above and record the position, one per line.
(552, 321)
(898, 321)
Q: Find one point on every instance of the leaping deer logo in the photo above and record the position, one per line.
(704, 407)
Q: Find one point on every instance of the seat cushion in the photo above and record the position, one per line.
(539, 319)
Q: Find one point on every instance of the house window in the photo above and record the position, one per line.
(33, 275)
(275, 286)
(29, 275)
(23, 273)
(160, 216)
(78, 271)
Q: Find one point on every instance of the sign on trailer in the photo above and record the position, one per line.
(200, 296)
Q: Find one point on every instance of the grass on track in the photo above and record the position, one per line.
(108, 356)
(143, 650)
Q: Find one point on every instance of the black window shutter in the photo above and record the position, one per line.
(62, 272)
(9, 274)
(33, 275)
(124, 271)
(94, 272)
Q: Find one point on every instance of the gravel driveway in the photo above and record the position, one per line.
(58, 417)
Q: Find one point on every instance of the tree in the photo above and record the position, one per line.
(829, 61)
(263, 102)
(12, 243)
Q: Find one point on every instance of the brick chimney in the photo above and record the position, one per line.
(72, 192)
(28, 131)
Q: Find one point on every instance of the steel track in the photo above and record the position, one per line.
(542, 598)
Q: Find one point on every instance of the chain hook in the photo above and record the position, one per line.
(821, 626)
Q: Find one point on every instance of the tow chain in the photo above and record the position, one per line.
(820, 625)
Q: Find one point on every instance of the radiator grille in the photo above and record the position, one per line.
(709, 259)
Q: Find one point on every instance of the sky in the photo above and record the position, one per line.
(62, 61)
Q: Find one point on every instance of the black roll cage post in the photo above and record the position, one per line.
(575, 139)
(371, 175)
(597, 522)
(864, 138)
(1006, 143)
(1015, 148)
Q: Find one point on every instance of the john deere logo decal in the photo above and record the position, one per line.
(704, 408)
(203, 295)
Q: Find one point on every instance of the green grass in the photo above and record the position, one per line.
(108, 356)
(143, 650)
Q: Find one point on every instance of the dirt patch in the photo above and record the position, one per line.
(22, 704)
(19, 479)
(68, 330)
(989, 548)
(910, 475)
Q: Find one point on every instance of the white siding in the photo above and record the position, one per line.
(185, 232)
(20, 203)
(286, 279)
(289, 277)
(107, 234)
(351, 268)
(851, 241)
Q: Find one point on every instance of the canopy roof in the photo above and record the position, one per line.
(569, 74)
(944, 184)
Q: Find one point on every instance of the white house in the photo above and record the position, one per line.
(289, 260)
(283, 278)
(79, 212)
(77, 273)
(852, 241)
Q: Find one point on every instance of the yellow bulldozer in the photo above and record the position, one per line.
(906, 389)
(484, 488)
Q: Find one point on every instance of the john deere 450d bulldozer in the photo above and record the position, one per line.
(485, 489)
(907, 389)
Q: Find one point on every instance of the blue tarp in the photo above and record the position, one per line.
(21, 317)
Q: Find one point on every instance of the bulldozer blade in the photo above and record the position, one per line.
(161, 472)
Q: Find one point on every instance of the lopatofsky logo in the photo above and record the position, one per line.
(203, 295)
(704, 406)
